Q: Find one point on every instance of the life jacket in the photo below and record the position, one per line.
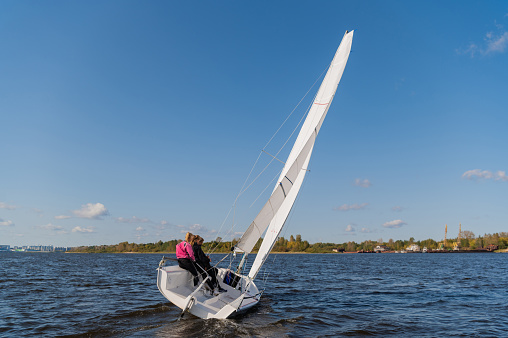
(181, 251)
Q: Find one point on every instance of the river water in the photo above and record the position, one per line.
(115, 295)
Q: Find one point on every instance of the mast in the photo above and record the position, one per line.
(274, 213)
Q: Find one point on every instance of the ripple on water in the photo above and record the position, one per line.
(306, 295)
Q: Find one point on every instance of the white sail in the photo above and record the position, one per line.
(296, 164)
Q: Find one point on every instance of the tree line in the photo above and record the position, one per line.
(468, 240)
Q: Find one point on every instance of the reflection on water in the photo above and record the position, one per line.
(306, 295)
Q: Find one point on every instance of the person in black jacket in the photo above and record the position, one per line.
(203, 264)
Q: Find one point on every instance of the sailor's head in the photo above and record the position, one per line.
(189, 237)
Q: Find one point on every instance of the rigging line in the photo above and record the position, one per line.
(273, 156)
(278, 152)
(248, 176)
(294, 130)
(296, 106)
(268, 185)
(242, 190)
(222, 240)
(232, 227)
(236, 199)
(220, 229)
(216, 264)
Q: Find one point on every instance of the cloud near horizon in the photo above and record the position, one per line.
(395, 224)
(362, 183)
(91, 211)
(198, 229)
(51, 227)
(485, 174)
(6, 206)
(84, 230)
(350, 228)
(7, 223)
(132, 220)
(347, 207)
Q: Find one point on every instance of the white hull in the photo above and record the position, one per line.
(176, 284)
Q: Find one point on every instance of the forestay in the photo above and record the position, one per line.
(274, 213)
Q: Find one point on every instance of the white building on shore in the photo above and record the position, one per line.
(413, 248)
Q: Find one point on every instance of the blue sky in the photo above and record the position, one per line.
(138, 121)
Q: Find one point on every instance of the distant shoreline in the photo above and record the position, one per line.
(289, 253)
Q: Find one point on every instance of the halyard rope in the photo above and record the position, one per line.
(243, 189)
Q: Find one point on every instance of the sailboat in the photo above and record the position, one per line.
(176, 284)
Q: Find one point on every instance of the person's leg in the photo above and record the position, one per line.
(204, 274)
(214, 272)
(187, 264)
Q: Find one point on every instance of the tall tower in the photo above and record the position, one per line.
(445, 231)
(460, 232)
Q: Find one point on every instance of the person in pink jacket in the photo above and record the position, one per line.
(185, 256)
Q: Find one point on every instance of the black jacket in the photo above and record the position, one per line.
(200, 256)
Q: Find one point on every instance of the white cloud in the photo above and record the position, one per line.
(92, 211)
(134, 219)
(362, 183)
(140, 229)
(367, 231)
(62, 217)
(7, 206)
(198, 229)
(501, 176)
(350, 228)
(83, 230)
(51, 227)
(7, 223)
(493, 42)
(397, 208)
(347, 207)
(485, 174)
(394, 224)
(496, 44)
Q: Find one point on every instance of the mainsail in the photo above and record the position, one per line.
(274, 213)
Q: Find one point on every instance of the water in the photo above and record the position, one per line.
(108, 295)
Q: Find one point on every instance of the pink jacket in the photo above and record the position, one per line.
(184, 250)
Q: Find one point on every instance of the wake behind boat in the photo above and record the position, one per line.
(176, 284)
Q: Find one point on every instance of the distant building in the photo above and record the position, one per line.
(492, 247)
(35, 248)
(413, 248)
(381, 248)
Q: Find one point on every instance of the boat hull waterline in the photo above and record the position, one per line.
(176, 284)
